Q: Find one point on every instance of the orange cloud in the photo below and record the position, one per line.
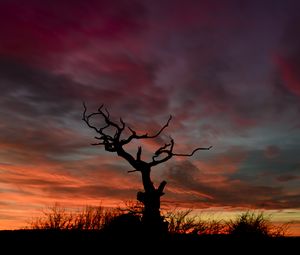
(226, 163)
(26, 189)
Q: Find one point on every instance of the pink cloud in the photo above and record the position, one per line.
(289, 74)
(40, 29)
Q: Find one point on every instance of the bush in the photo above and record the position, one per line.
(128, 220)
(55, 217)
(252, 224)
(182, 222)
(90, 218)
(126, 224)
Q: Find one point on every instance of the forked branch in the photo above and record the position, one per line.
(134, 135)
(114, 143)
(167, 150)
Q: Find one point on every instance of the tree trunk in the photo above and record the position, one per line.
(152, 219)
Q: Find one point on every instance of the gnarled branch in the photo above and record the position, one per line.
(86, 118)
(132, 171)
(192, 153)
(167, 149)
(134, 135)
(115, 144)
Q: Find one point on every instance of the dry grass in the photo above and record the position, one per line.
(181, 221)
(248, 224)
(89, 218)
(255, 224)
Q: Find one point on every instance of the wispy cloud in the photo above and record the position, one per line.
(227, 72)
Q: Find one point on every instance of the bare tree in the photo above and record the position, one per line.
(114, 141)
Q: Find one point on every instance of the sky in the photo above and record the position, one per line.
(227, 71)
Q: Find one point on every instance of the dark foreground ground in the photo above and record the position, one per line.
(89, 242)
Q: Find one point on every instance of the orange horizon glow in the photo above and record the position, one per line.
(22, 216)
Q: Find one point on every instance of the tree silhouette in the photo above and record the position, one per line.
(114, 141)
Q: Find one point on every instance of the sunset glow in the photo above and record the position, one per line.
(227, 71)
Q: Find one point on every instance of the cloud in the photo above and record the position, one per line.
(40, 29)
(227, 72)
(286, 60)
(188, 183)
(226, 163)
(288, 57)
(42, 108)
(42, 184)
(91, 191)
(272, 151)
(287, 178)
(288, 67)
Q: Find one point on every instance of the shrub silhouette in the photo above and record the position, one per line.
(182, 222)
(252, 224)
(128, 222)
(90, 218)
(93, 218)
(55, 218)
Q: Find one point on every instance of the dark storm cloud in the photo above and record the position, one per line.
(33, 102)
(272, 151)
(262, 169)
(39, 103)
(287, 178)
(40, 88)
(189, 178)
(34, 92)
